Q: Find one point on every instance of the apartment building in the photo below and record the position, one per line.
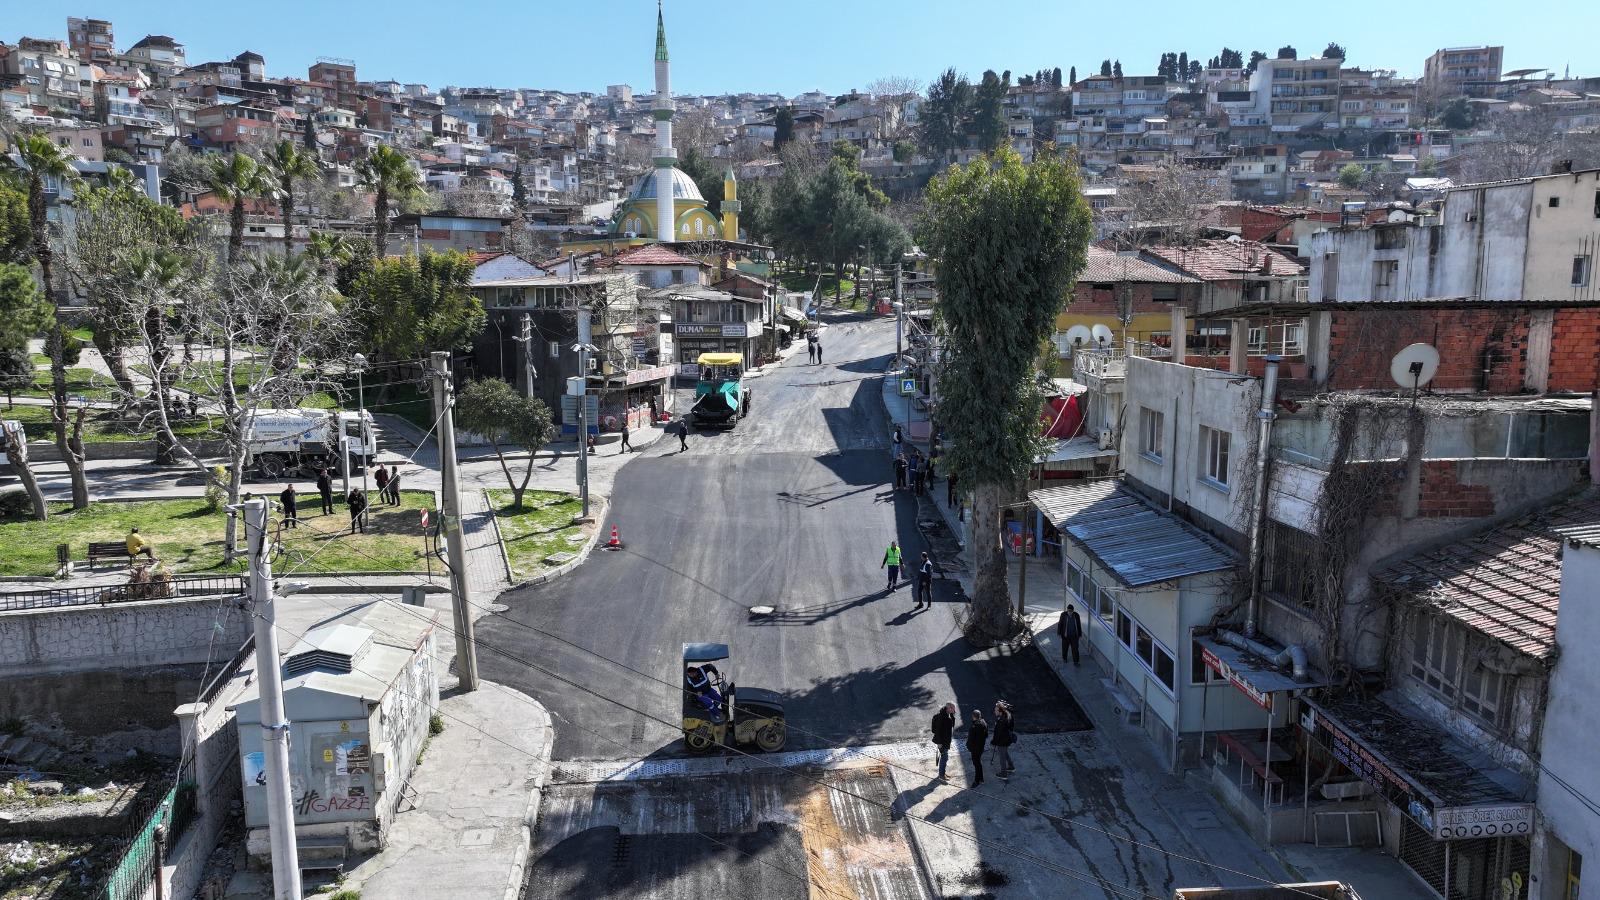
(1297, 93)
(91, 40)
(52, 76)
(157, 54)
(226, 125)
(338, 77)
(1470, 71)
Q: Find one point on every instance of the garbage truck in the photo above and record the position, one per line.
(720, 397)
(287, 441)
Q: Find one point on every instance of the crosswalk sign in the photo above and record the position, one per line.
(908, 386)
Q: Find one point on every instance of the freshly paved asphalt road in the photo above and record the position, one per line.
(791, 509)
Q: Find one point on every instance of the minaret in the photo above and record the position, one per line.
(666, 157)
(730, 206)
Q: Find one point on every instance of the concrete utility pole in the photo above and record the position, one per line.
(529, 373)
(455, 538)
(274, 723)
(584, 348)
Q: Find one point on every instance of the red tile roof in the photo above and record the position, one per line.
(479, 257)
(655, 255)
(1228, 260)
(1505, 582)
(1106, 265)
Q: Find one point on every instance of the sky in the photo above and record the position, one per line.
(727, 46)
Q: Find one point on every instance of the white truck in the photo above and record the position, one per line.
(279, 441)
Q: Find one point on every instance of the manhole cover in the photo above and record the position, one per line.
(762, 610)
(498, 607)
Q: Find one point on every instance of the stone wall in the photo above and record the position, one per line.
(120, 636)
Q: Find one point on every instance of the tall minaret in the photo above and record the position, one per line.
(666, 157)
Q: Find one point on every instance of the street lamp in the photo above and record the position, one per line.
(360, 361)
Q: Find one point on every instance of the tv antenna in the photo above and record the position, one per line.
(1414, 367)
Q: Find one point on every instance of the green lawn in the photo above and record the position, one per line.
(542, 527)
(188, 538)
(103, 426)
(80, 383)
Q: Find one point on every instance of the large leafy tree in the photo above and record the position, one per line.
(1010, 239)
(494, 409)
(409, 306)
(391, 178)
(944, 114)
(236, 179)
(23, 312)
(289, 166)
(782, 127)
(42, 162)
(988, 111)
(16, 236)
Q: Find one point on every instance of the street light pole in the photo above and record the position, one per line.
(360, 360)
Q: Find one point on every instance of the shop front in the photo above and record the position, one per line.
(1462, 824)
(637, 397)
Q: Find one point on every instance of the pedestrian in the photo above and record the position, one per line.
(819, 353)
(626, 446)
(136, 545)
(392, 496)
(899, 472)
(911, 471)
(590, 443)
(925, 581)
(977, 736)
(1005, 735)
(919, 484)
(291, 507)
(891, 561)
(944, 727)
(950, 489)
(325, 488)
(1070, 628)
(898, 440)
(683, 434)
(357, 502)
(382, 478)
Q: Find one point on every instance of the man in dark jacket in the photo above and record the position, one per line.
(899, 472)
(1005, 734)
(944, 726)
(977, 736)
(325, 488)
(683, 434)
(924, 591)
(357, 501)
(291, 507)
(1070, 628)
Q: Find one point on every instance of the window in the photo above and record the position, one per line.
(1199, 672)
(555, 349)
(1108, 606)
(1290, 562)
(1384, 272)
(1214, 445)
(1124, 629)
(1482, 693)
(1555, 202)
(1151, 424)
(1075, 581)
(1580, 271)
(1436, 655)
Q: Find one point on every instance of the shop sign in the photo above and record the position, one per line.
(1215, 664)
(1374, 771)
(640, 347)
(654, 373)
(1483, 821)
(737, 330)
(686, 329)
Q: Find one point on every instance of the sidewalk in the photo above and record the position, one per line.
(477, 795)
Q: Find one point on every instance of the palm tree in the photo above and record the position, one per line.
(288, 164)
(235, 179)
(329, 250)
(389, 175)
(41, 159)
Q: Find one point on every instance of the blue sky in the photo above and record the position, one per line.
(834, 45)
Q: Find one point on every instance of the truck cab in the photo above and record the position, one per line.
(280, 441)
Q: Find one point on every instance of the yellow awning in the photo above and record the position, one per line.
(721, 359)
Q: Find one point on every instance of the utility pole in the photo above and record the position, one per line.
(528, 371)
(584, 347)
(455, 537)
(274, 723)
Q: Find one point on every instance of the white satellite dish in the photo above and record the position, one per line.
(1415, 366)
(1078, 336)
(1102, 335)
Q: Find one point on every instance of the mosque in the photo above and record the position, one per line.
(665, 204)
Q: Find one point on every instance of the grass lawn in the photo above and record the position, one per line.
(102, 426)
(542, 527)
(81, 382)
(188, 538)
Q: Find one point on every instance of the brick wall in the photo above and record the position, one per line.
(1443, 495)
(1362, 344)
(1575, 350)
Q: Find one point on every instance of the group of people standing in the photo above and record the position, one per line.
(814, 348)
(921, 584)
(387, 479)
(1002, 736)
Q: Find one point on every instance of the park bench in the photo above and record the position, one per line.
(1253, 771)
(113, 550)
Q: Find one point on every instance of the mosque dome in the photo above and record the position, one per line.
(683, 187)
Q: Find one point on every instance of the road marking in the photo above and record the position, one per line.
(594, 772)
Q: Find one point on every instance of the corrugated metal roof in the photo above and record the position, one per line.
(1587, 535)
(1504, 582)
(1136, 541)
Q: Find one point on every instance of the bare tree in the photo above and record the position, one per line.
(1173, 200)
(893, 94)
(696, 129)
(1526, 142)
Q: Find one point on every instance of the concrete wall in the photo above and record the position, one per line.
(115, 709)
(1190, 398)
(1567, 748)
(119, 636)
(1557, 234)
(47, 451)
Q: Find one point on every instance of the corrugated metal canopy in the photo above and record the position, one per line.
(1137, 542)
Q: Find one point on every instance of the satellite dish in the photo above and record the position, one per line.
(1102, 335)
(1415, 366)
(1078, 335)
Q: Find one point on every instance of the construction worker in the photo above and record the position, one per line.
(891, 561)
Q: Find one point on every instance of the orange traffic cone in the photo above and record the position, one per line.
(616, 540)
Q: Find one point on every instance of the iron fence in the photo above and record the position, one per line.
(151, 830)
(105, 594)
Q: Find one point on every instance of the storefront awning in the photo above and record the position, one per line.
(1078, 449)
(1451, 789)
(1130, 537)
(1255, 677)
(793, 315)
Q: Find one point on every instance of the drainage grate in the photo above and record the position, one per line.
(638, 730)
(621, 850)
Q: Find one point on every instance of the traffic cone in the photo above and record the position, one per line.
(616, 540)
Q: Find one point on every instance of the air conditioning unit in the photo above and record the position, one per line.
(1105, 439)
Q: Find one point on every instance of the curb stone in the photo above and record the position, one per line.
(530, 817)
(499, 538)
(588, 547)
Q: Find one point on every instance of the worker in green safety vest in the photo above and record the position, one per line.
(891, 561)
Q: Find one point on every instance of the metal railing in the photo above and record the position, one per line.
(150, 833)
(103, 594)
